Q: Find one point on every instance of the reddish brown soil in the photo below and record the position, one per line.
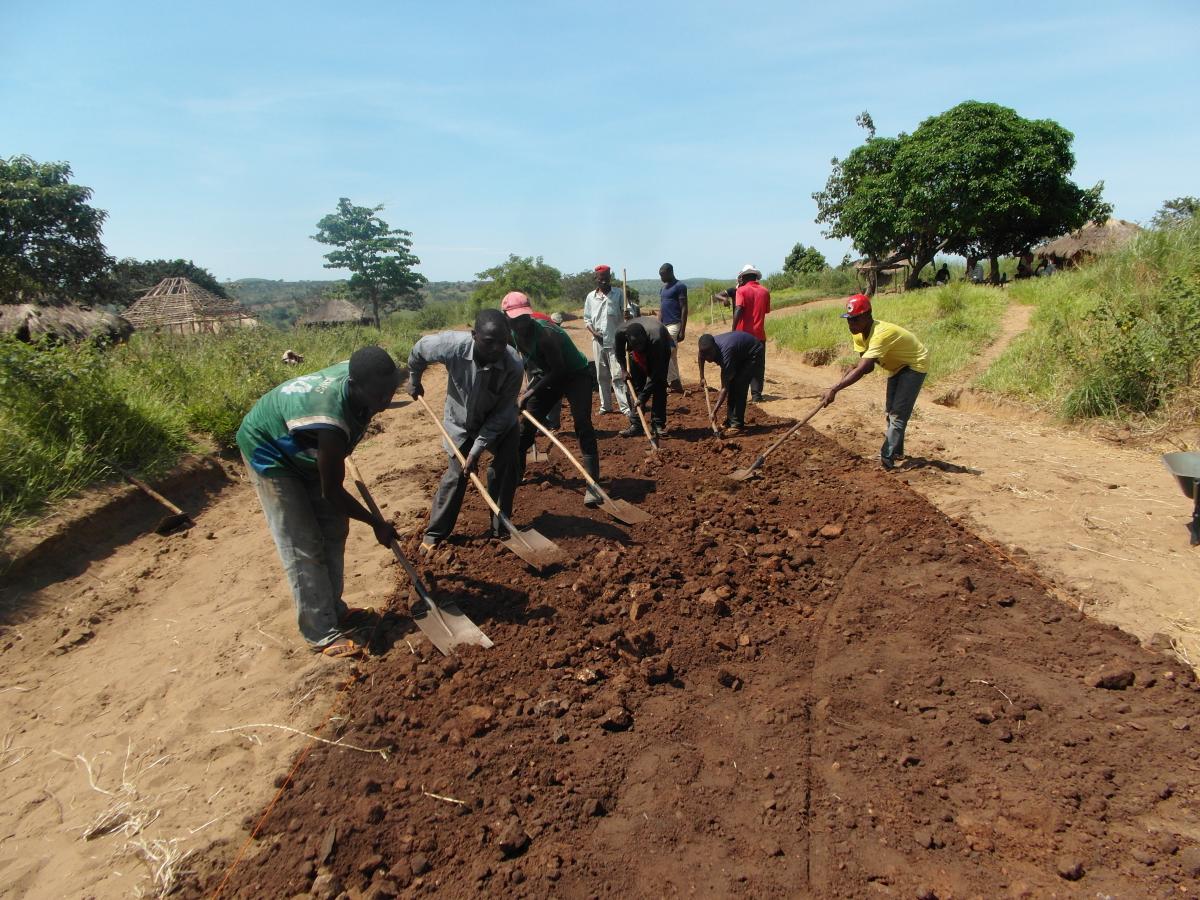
(830, 689)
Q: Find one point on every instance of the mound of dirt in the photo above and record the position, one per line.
(812, 683)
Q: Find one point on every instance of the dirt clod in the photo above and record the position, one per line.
(1069, 867)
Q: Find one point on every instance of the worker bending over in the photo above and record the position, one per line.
(648, 346)
(739, 355)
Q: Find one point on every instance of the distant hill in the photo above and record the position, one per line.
(649, 287)
(282, 302)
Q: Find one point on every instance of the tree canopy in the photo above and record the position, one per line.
(978, 180)
(1175, 212)
(805, 261)
(527, 274)
(379, 258)
(49, 233)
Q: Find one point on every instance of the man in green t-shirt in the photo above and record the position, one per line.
(295, 442)
(562, 371)
(897, 351)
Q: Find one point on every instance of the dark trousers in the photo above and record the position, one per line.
(759, 376)
(501, 482)
(577, 389)
(658, 397)
(736, 387)
(902, 390)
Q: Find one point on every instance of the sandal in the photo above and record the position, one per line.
(343, 648)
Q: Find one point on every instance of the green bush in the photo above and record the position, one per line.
(67, 410)
(1114, 338)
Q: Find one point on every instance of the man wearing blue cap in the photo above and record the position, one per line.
(898, 352)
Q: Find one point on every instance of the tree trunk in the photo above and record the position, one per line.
(995, 273)
(375, 305)
(872, 277)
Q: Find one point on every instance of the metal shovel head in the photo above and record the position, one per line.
(748, 472)
(625, 511)
(1186, 469)
(532, 546)
(172, 523)
(445, 624)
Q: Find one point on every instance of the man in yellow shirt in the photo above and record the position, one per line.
(898, 352)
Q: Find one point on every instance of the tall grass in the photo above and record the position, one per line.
(1117, 338)
(67, 412)
(955, 322)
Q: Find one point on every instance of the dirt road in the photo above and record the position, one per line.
(150, 646)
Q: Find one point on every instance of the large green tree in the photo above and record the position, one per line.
(978, 180)
(379, 258)
(805, 261)
(49, 233)
(530, 275)
(1176, 211)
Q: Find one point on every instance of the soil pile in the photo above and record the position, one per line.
(810, 683)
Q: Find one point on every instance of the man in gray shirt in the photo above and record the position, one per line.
(603, 313)
(483, 379)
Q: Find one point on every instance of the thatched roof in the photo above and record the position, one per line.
(61, 320)
(1091, 239)
(335, 311)
(177, 304)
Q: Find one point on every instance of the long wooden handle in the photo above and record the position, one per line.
(462, 461)
(708, 406)
(791, 431)
(357, 478)
(636, 404)
(142, 486)
(567, 453)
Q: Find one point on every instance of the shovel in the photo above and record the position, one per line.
(444, 624)
(536, 549)
(177, 519)
(620, 510)
(633, 400)
(743, 474)
(708, 406)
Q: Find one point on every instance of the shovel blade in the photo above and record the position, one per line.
(533, 547)
(176, 522)
(624, 511)
(748, 472)
(446, 625)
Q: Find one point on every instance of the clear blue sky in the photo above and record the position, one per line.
(626, 133)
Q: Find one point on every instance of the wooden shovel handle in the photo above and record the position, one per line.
(463, 462)
(633, 401)
(567, 453)
(149, 491)
(357, 478)
(787, 434)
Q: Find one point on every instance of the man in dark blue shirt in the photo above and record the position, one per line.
(673, 313)
(738, 354)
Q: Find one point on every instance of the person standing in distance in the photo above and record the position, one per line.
(673, 313)
(603, 314)
(750, 309)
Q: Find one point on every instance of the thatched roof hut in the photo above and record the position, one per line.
(182, 307)
(1090, 240)
(335, 311)
(61, 320)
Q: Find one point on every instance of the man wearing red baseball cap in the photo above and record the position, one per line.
(898, 352)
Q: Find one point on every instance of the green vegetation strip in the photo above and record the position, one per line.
(1117, 338)
(68, 411)
(955, 322)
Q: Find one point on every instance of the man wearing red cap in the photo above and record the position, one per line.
(750, 308)
(603, 314)
(898, 352)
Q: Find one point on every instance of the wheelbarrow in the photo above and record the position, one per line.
(1186, 469)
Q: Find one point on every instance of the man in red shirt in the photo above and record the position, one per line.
(750, 309)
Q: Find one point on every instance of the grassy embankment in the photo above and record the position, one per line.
(1119, 338)
(955, 322)
(66, 411)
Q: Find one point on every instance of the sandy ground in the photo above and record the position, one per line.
(125, 660)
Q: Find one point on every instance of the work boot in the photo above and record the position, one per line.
(634, 429)
(498, 529)
(658, 431)
(591, 498)
(676, 386)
